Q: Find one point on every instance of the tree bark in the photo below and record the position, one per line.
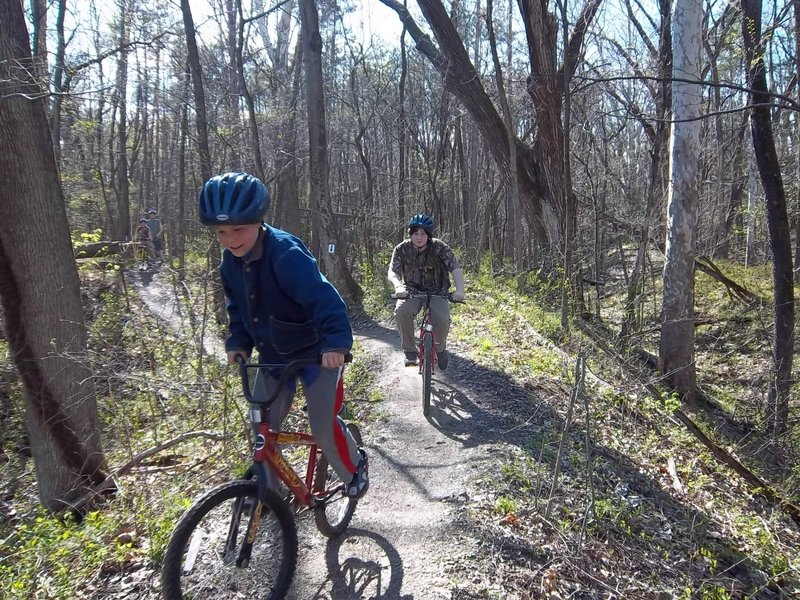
(777, 408)
(43, 313)
(122, 230)
(58, 78)
(331, 251)
(676, 349)
(201, 120)
(796, 7)
(512, 195)
(39, 42)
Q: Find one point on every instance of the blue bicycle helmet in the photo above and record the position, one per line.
(423, 221)
(233, 199)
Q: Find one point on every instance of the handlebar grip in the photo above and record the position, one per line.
(289, 368)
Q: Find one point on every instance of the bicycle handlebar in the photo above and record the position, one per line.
(289, 369)
(426, 295)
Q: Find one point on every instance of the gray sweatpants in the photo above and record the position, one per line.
(328, 429)
(407, 308)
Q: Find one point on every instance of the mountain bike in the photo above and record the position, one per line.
(143, 255)
(426, 344)
(241, 536)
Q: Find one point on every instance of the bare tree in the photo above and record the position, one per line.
(676, 348)
(118, 156)
(512, 249)
(796, 7)
(332, 256)
(201, 119)
(43, 313)
(777, 408)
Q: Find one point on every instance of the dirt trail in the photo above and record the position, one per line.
(401, 536)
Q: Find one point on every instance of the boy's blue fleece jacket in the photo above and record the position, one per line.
(280, 304)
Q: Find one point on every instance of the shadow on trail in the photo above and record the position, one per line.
(362, 564)
(407, 471)
(476, 406)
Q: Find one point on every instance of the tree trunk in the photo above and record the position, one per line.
(58, 77)
(402, 143)
(655, 180)
(201, 120)
(512, 194)
(121, 183)
(201, 126)
(796, 6)
(39, 42)
(676, 349)
(777, 408)
(43, 313)
(255, 140)
(331, 253)
(287, 212)
(178, 248)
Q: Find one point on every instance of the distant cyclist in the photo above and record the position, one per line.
(156, 231)
(281, 305)
(423, 263)
(143, 237)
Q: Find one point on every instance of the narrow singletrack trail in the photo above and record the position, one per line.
(402, 537)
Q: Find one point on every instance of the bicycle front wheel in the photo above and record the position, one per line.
(333, 517)
(427, 370)
(211, 555)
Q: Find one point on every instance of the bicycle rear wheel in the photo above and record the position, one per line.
(333, 517)
(207, 555)
(427, 370)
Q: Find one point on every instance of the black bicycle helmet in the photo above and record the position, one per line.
(233, 199)
(423, 221)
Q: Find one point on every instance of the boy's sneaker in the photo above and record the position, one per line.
(441, 359)
(360, 483)
(411, 359)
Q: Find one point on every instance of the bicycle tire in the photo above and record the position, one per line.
(197, 563)
(427, 371)
(333, 517)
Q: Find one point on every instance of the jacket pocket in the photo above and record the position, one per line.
(292, 338)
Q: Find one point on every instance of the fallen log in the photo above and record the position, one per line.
(102, 248)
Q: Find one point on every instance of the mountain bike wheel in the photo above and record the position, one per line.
(207, 554)
(427, 369)
(333, 517)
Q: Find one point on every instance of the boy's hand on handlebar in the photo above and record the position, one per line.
(400, 292)
(457, 296)
(232, 354)
(332, 360)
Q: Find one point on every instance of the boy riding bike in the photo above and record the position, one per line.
(424, 263)
(279, 303)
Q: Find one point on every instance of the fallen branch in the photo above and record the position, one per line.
(704, 265)
(217, 437)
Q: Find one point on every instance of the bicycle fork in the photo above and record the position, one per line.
(426, 331)
(251, 510)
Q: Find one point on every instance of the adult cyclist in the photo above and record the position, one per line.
(423, 263)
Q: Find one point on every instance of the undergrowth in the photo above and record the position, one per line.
(692, 530)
